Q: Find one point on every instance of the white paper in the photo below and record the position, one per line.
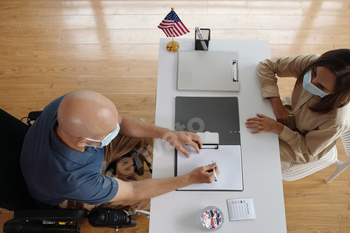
(229, 162)
(241, 209)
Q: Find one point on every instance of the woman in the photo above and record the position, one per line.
(312, 119)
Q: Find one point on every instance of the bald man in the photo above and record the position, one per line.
(66, 151)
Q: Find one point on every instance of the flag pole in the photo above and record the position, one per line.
(172, 37)
(172, 46)
(172, 34)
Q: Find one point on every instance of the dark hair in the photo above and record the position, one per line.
(337, 61)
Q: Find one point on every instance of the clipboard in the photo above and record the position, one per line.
(205, 115)
(208, 71)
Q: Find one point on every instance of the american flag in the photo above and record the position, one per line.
(173, 21)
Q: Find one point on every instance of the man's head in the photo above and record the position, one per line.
(85, 114)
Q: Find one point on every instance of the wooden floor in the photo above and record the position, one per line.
(51, 47)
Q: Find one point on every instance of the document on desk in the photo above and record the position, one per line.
(229, 162)
(241, 209)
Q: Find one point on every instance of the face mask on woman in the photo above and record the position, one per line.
(311, 87)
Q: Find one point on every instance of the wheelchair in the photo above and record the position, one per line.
(14, 195)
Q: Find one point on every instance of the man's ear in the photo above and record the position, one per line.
(81, 143)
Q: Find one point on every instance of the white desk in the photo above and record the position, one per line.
(178, 211)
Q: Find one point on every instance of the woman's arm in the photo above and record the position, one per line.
(305, 148)
(296, 146)
(269, 69)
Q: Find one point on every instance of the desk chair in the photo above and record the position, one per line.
(14, 195)
(303, 170)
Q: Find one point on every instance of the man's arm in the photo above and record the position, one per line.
(133, 127)
(146, 189)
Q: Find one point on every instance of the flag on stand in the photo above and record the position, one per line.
(172, 25)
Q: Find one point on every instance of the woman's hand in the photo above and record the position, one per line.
(281, 113)
(264, 124)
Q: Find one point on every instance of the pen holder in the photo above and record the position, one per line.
(206, 36)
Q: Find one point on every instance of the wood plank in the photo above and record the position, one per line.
(303, 37)
(67, 7)
(25, 37)
(99, 22)
(310, 224)
(344, 222)
(133, 102)
(147, 116)
(119, 85)
(255, 7)
(79, 68)
(335, 8)
(112, 7)
(264, 22)
(91, 52)
(112, 36)
(9, 8)
(191, 21)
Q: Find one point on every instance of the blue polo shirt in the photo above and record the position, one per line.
(55, 173)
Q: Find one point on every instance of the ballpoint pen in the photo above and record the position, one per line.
(215, 176)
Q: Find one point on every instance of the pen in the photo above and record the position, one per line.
(215, 176)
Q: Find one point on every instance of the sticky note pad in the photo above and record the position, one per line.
(241, 209)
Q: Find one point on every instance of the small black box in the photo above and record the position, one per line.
(206, 36)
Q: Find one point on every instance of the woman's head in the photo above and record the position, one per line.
(331, 74)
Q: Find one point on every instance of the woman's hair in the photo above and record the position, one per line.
(337, 61)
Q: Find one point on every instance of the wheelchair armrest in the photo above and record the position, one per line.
(63, 215)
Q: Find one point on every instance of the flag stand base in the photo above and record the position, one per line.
(172, 46)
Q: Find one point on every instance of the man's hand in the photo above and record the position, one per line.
(133, 127)
(203, 174)
(264, 124)
(180, 138)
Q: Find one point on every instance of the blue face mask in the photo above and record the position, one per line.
(107, 139)
(311, 87)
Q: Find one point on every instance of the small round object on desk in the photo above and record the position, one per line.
(172, 46)
(211, 218)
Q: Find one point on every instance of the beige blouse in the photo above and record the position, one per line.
(309, 135)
